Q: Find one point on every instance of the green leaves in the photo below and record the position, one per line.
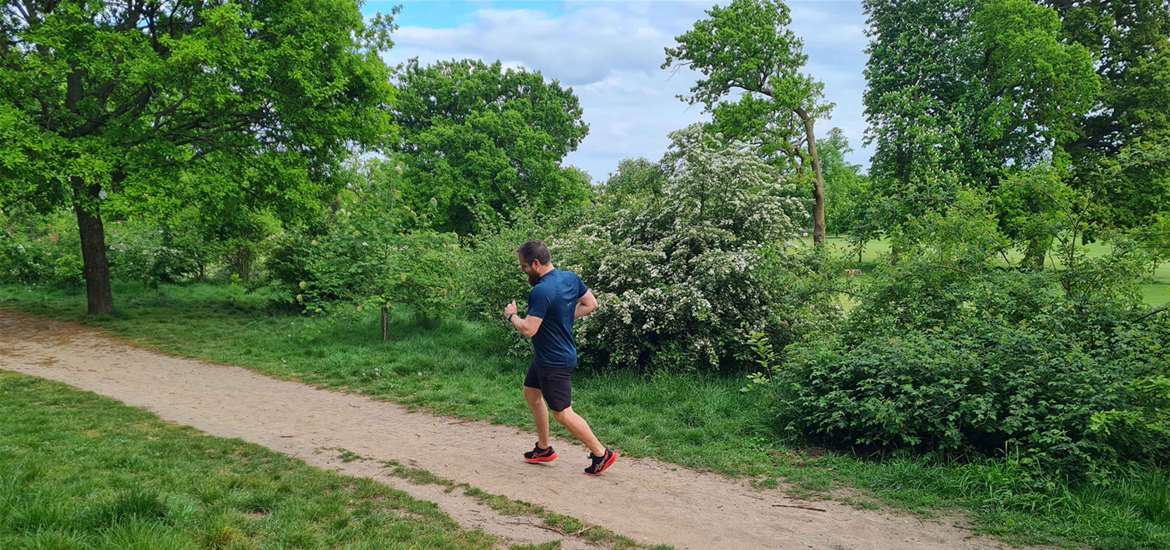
(239, 108)
(961, 360)
(1130, 44)
(748, 47)
(1029, 86)
(479, 141)
(965, 93)
(745, 45)
(679, 262)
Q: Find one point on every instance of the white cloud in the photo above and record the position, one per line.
(611, 53)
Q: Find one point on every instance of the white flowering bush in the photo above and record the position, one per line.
(680, 276)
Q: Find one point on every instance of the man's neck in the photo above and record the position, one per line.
(544, 269)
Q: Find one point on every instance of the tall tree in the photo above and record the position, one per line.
(747, 47)
(1119, 154)
(100, 98)
(635, 176)
(479, 140)
(846, 187)
(912, 75)
(962, 93)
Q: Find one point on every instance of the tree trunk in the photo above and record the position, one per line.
(1037, 251)
(819, 187)
(93, 247)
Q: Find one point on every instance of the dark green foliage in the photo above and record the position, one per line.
(634, 178)
(345, 265)
(963, 94)
(1031, 390)
(847, 190)
(241, 108)
(45, 250)
(1120, 152)
(39, 250)
(949, 353)
(479, 141)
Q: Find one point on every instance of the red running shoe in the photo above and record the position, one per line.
(538, 455)
(601, 463)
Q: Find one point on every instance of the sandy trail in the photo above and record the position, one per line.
(647, 500)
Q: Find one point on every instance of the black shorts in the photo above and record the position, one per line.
(555, 383)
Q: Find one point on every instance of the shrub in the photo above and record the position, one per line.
(352, 263)
(144, 252)
(345, 256)
(1140, 426)
(422, 273)
(338, 265)
(489, 270)
(971, 388)
(950, 353)
(680, 275)
(40, 250)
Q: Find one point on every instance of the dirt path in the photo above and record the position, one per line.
(649, 501)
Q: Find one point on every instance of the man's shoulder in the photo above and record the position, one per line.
(568, 276)
(541, 288)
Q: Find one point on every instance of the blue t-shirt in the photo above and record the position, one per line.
(554, 299)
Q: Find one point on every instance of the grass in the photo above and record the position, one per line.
(566, 525)
(704, 422)
(1155, 291)
(82, 471)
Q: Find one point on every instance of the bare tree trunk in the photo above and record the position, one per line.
(819, 187)
(98, 293)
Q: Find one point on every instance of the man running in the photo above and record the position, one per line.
(557, 298)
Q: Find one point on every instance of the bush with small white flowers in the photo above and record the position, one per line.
(680, 275)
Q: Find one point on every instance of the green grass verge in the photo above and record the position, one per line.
(82, 471)
(566, 525)
(704, 422)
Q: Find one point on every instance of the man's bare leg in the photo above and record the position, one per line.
(580, 429)
(536, 403)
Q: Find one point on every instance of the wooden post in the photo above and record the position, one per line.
(385, 323)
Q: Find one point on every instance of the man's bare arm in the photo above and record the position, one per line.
(527, 325)
(586, 305)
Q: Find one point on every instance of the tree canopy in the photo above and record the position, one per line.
(479, 140)
(963, 93)
(256, 101)
(748, 47)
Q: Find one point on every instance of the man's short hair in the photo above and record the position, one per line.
(534, 251)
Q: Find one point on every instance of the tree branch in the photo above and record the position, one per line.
(131, 16)
(1160, 309)
(136, 105)
(170, 109)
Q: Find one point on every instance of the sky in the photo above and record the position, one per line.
(610, 53)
